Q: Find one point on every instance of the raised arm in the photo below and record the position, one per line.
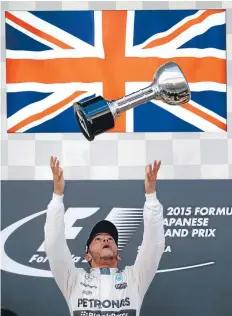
(153, 243)
(59, 256)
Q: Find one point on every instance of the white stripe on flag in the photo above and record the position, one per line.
(165, 52)
(65, 37)
(46, 103)
(189, 117)
(189, 33)
(207, 86)
(130, 121)
(95, 87)
(32, 35)
(37, 107)
(130, 28)
(48, 54)
(196, 30)
(54, 114)
(207, 111)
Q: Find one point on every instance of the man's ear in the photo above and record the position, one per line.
(88, 257)
(118, 257)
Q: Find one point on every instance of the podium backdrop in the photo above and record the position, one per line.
(194, 276)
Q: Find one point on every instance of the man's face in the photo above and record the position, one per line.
(103, 247)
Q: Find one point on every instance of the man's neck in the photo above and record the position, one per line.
(99, 265)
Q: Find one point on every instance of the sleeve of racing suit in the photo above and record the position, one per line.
(153, 244)
(59, 256)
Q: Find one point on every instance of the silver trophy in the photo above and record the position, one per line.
(97, 115)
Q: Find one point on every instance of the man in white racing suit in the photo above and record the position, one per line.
(104, 290)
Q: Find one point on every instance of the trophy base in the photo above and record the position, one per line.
(94, 117)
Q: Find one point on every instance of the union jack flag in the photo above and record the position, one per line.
(54, 58)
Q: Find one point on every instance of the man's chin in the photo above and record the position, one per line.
(107, 254)
(107, 258)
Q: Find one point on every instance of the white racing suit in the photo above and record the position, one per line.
(104, 292)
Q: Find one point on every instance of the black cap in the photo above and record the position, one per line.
(103, 226)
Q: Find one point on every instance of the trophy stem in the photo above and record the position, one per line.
(134, 99)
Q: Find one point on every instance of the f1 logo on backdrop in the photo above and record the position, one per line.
(126, 220)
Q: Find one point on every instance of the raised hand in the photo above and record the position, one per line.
(58, 177)
(151, 176)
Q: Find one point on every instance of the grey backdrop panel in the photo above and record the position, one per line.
(202, 291)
